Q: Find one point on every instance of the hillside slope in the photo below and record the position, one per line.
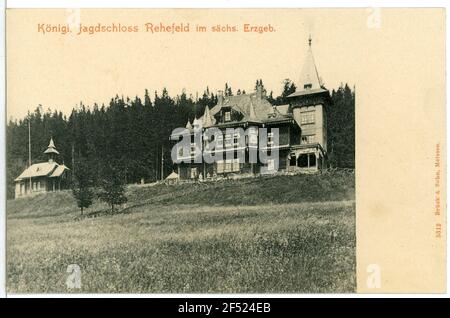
(334, 186)
(280, 234)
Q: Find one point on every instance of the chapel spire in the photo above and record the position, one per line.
(51, 151)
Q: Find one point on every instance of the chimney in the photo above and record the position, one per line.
(220, 98)
(260, 92)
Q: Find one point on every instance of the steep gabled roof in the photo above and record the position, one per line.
(207, 119)
(249, 105)
(43, 169)
(58, 171)
(253, 108)
(38, 170)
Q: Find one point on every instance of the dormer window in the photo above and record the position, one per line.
(227, 116)
(307, 86)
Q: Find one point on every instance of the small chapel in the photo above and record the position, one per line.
(43, 177)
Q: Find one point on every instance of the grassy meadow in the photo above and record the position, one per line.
(259, 235)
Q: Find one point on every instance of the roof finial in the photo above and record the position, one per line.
(310, 40)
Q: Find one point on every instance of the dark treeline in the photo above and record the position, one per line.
(136, 132)
(341, 128)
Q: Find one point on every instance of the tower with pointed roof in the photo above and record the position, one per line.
(308, 105)
(51, 151)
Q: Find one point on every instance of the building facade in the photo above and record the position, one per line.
(300, 127)
(43, 177)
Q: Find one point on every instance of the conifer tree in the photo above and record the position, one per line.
(112, 184)
(82, 185)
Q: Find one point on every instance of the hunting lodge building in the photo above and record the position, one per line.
(301, 124)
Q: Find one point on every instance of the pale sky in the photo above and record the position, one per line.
(58, 71)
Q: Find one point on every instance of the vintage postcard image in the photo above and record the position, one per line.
(225, 151)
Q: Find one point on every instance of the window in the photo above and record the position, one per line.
(219, 142)
(270, 139)
(192, 148)
(307, 86)
(292, 160)
(312, 160)
(308, 139)
(193, 173)
(307, 118)
(303, 161)
(228, 164)
(220, 166)
(307, 160)
(227, 116)
(236, 137)
(228, 142)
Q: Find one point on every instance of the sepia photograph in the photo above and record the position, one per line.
(225, 151)
(242, 180)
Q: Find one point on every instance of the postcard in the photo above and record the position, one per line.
(268, 151)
